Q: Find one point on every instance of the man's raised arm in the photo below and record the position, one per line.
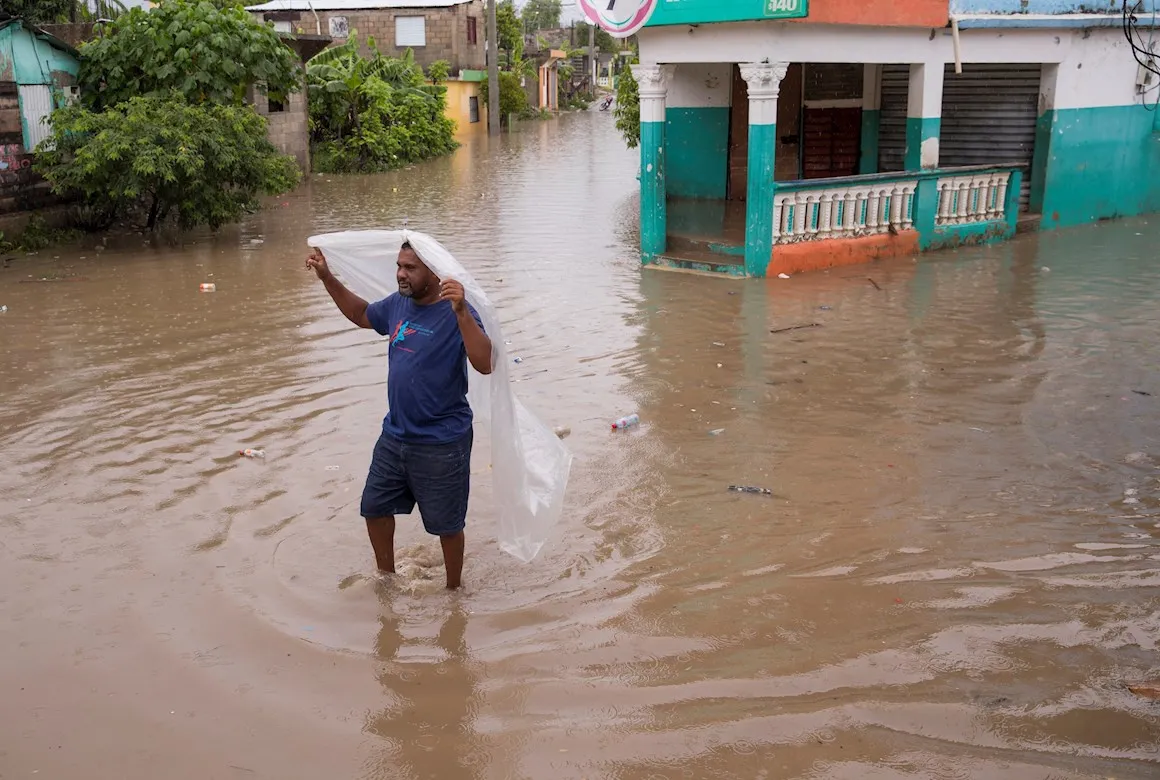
(353, 307)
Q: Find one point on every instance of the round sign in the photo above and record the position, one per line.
(620, 18)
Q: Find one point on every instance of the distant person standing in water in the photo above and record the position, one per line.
(423, 455)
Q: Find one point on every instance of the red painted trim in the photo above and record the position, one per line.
(816, 255)
(880, 13)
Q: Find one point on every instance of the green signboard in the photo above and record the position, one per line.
(708, 11)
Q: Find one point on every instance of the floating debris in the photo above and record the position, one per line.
(756, 491)
(797, 327)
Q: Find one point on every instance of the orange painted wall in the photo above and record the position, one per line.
(817, 255)
(889, 13)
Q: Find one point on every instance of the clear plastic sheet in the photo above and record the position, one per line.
(530, 465)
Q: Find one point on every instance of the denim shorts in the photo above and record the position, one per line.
(437, 477)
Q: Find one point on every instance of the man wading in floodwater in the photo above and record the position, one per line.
(424, 452)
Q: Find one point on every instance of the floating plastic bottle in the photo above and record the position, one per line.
(210, 287)
(252, 453)
(626, 422)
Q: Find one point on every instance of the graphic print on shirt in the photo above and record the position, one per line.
(406, 329)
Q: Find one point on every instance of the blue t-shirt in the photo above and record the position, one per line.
(427, 386)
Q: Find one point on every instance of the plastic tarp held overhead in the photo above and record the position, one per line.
(530, 465)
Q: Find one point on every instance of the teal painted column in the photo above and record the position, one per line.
(764, 81)
(924, 116)
(653, 82)
(871, 118)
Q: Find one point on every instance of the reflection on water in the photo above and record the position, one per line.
(955, 575)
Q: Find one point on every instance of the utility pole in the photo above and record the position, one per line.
(592, 58)
(493, 117)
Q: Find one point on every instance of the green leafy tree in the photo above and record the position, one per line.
(628, 108)
(604, 41)
(512, 98)
(438, 71)
(159, 156)
(205, 53)
(509, 28)
(374, 113)
(542, 14)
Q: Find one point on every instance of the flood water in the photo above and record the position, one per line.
(957, 574)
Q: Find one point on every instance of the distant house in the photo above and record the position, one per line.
(451, 30)
(288, 123)
(37, 75)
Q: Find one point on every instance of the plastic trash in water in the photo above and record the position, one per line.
(518, 360)
(783, 276)
(249, 453)
(562, 432)
(530, 465)
(756, 491)
(208, 287)
(3, 309)
(717, 432)
(626, 422)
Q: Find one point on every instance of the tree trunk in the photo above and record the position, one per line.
(153, 210)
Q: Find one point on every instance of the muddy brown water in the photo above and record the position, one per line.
(958, 574)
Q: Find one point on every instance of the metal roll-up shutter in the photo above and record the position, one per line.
(989, 114)
(892, 119)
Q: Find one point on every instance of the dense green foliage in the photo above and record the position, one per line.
(205, 165)
(512, 98)
(438, 71)
(373, 113)
(206, 53)
(541, 15)
(509, 28)
(628, 108)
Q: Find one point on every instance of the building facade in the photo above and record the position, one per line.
(288, 121)
(37, 75)
(450, 30)
(786, 135)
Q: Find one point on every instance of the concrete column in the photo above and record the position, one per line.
(924, 115)
(871, 117)
(764, 81)
(1044, 132)
(653, 82)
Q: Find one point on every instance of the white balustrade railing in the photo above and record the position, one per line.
(843, 211)
(966, 200)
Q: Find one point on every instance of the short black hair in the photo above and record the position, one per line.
(407, 245)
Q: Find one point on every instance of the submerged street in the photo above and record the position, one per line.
(955, 575)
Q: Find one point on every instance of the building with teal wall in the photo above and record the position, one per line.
(37, 74)
(774, 144)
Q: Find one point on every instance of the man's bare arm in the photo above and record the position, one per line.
(477, 343)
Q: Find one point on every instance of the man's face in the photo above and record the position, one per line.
(414, 278)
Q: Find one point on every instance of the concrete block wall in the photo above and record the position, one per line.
(288, 129)
(446, 32)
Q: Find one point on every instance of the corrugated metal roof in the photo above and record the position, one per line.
(351, 5)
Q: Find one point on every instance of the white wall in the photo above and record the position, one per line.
(701, 85)
(1093, 71)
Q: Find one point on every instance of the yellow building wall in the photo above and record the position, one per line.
(459, 94)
